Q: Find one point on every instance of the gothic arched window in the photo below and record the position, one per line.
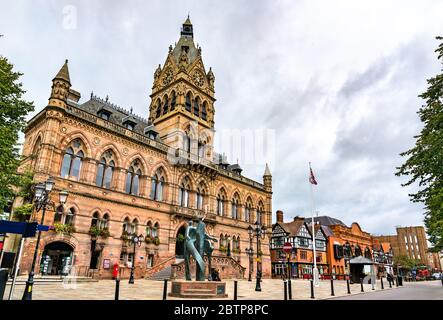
(133, 178)
(188, 105)
(69, 218)
(72, 160)
(204, 111)
(149, 229)
(157, 184)
(105, 170)
(155, 230)
(260, 213)
(104, 224)
(235, 205)
(173, 100)
(134, 226)
(183, 195)
(221, 197)
(197, 106)
(200, 197)
(165, 105)
(36, 151)
(95, 222)
(126, 225)
(248, 209)
(158, 109)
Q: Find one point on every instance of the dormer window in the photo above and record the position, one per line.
(130, 126)
(105, 115)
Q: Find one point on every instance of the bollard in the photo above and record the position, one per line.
(400, 281)
(332, 287)
(165, 289)
(289, 289)
(361, 285)
(235, 289)
(381, 283)
(117, 288)
(349, 286)
(285, 290)
(396, 281)
(390, 283)
(312, 289)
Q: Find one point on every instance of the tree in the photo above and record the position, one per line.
(425, 160)
(405, 262)
(13, 110)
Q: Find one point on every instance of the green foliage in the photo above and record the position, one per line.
(406, 262)
(64, 228)
(125, 235)
(223, 249)
(236, 250)
(13, 110)
(95, 231)
(156, 241)
(180, 238)
(425, 160)
(24, 210)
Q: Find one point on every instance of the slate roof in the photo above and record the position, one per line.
(326, 221)
(360, 260)
(118, 114)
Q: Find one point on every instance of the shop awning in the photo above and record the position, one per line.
(360, 260)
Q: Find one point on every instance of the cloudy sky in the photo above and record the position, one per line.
(335, 82)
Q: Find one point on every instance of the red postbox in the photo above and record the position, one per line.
(115, 271)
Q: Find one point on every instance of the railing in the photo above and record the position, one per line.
(160, 266)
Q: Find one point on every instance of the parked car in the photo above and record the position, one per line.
(436, 276)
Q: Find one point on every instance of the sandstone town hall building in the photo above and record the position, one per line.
(127, 174)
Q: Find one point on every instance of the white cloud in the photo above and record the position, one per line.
(337, 81)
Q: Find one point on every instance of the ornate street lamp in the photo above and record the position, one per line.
(259, 233)
(250, 252)
(228, 253)
(42, 201)
(136, 240)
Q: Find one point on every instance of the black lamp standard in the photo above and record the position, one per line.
(136, 240)
(41, 196)
(250, 252)
(259, 233)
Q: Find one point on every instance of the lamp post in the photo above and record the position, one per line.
(259, 233)
(41, 196)
(250, 252)
(136, 240)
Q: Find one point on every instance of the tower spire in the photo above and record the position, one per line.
(187, 28)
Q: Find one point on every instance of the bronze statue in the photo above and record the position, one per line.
(197, 244)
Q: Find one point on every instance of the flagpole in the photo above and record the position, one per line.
(314, 271)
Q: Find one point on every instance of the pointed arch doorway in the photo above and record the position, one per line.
(180, 242)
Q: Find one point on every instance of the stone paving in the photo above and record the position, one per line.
(272, 289)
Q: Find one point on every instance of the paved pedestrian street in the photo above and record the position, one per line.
(272, 289)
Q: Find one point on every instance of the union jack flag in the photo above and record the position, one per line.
(311, 177)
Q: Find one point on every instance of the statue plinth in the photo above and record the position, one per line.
(198, 289)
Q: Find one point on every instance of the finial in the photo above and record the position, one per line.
(130, 110)
(66, 60)
(92, 94)
(107, 98)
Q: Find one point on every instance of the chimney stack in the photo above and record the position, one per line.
(279, 216)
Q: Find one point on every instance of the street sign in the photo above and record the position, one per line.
(27, 229)
(287, 247)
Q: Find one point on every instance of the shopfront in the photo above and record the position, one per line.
(57, 259)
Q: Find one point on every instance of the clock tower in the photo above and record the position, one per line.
(182, 98)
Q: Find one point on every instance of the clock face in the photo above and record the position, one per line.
(198, 78)
(167, 77)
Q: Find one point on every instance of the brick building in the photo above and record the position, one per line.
(301, 259)
(126, 174)
(409, 241)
